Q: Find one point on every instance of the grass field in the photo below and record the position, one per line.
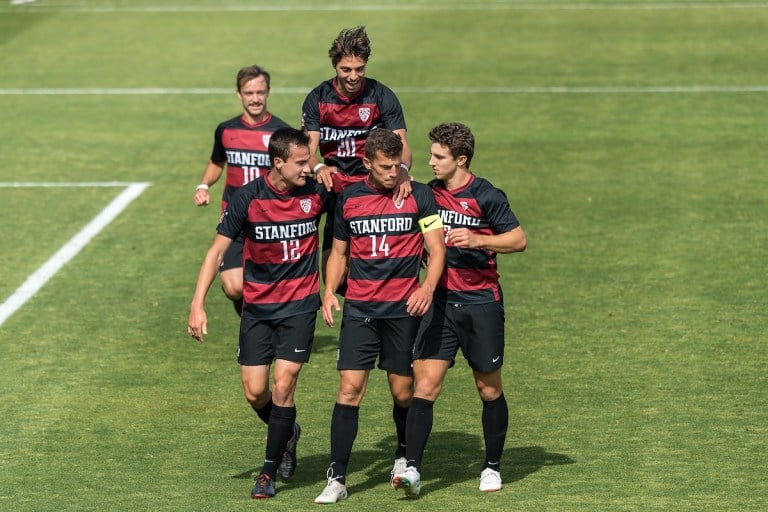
(629, 136)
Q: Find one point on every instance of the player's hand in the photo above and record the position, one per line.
(463, 237)
(324, 175)
(197, 325)
(330, 303)
(202, 198)
(403, 185)
(419, 302)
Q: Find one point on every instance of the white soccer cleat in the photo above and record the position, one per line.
(333, 492)
(409, 481)
(398, 469)
(490, 480)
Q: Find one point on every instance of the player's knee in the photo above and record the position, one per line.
(256, 395)
(428, 389)
(350, 394)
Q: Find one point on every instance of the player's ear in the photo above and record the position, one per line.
(461, 161)
(367, 163)
(278, 163)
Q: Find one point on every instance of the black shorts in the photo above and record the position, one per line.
(263, 341)
(478, 329)
(233, 258)
(361, 340)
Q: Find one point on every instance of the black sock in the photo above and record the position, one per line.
(344, 424)
(279, 431)
(264, 412)
(399, 415)
(495, 421)
(418, 428)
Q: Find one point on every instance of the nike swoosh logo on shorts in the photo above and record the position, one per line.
(495, 359)
(299, 350)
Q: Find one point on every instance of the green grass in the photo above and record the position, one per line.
(636, 325)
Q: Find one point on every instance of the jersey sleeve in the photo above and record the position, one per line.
(391, 110)
(310, 111)
(340, 227)
(218, 154)
(497, 210)
(425, 200)
(233, 217)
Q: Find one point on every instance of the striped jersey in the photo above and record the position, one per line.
(471, 275)
(243, 147)
(344, 122)
(385, 247)
(280, 270)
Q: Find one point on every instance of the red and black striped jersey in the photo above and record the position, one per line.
(243, 147)
(344, 122)
(385, 247)
(280, 247)
(471, 275)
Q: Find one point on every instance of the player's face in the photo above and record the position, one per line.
(442, 162)
(253, 94)
(294, 171)
(349, 74)
(383, 170)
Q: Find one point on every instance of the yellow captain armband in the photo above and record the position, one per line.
(430, 223)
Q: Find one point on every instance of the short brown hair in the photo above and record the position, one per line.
(248, 73)
(383, 141)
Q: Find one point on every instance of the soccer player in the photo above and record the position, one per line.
(240, 143)
(468, 309)
(380, 240)
(278, 213)
(340, 113)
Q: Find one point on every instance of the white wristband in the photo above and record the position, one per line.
(202, 186)
(317, 167)
(404, 167)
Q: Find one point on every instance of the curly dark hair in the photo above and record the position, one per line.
(352, 42)
(456, 137)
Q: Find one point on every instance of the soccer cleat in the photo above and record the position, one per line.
(399, 468)
(490, 480)
(263, 488)
(409, 481)
(287, 467)
(333, 492)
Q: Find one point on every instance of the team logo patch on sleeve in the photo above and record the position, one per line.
(364, 113)
(306, 205)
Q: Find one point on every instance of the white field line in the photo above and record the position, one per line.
(649, 89)
(331, 7)
(69, 250)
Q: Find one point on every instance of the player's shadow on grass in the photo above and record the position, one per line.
(450, 459)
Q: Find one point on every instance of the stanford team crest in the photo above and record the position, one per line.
(306, 205)
(364, 113)
(265, 140)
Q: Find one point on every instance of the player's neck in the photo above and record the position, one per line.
(249, 119)
(459, 179)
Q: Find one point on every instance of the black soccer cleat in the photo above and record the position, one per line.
(263, 488)
(287, 467)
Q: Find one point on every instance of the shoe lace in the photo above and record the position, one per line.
(263, 480)
(330, 477)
